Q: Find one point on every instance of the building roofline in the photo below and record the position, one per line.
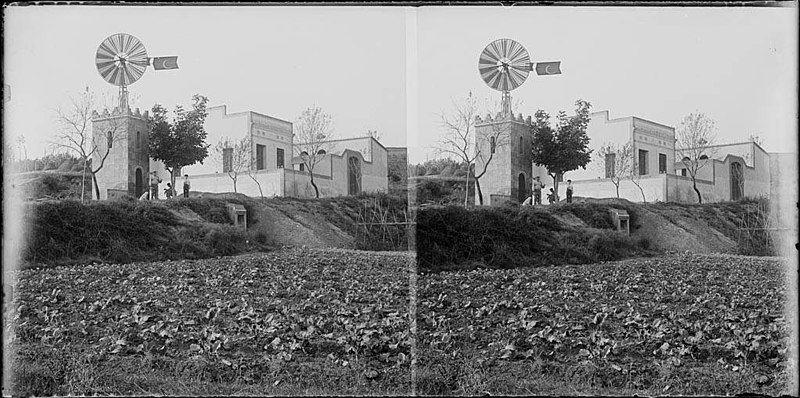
(225, 109)
(731, 144)
(631, 118)
(361, 138)
(656, 123)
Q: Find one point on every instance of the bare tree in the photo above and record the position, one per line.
(461, 141)
(252, 167)
(354, 170)
(634, 175)
(696, 137)
(458, 139)
(313, 135)
(615, 161)
(75, 134)
(235, 156)
(23, 151)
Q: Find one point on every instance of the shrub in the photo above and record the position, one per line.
(226, 240)
(508, 237)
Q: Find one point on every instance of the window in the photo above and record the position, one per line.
(642, 162)
(302, 167)
(521, 149)
(611, 158)
(662, 163)
(260, 161)
(227, 160)
(492, 144)
(683, 172)
(138, 140)
(280, 158)
(110, 138)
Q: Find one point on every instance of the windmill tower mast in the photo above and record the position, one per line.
(123, 134)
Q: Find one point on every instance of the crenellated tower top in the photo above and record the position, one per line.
(500, 117)
(116, 112)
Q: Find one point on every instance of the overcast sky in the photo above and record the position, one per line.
(387, 69)
(273, 60)
(737, 65)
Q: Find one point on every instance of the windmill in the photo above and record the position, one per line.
(505, 64)
(122, 59)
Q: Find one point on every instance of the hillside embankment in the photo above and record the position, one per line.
(68, 232)
(451, 237)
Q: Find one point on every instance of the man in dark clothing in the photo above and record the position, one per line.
(186, 185)
(569, 191)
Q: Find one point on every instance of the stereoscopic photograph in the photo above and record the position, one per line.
(402, 199)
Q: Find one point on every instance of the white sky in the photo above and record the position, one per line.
(737, 65)
(273, 60)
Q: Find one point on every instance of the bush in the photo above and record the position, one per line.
(510, 236)
(123, 231)
(226, 240)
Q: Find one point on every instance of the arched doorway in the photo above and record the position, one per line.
(139, 183)
(737, 181)
(353, 176)
(523, 188)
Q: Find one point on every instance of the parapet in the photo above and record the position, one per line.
(526, 120)
(117, 112)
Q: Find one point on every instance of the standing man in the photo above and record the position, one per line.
(154, 180)
(537, 191)
(569, 191)
(186, 185)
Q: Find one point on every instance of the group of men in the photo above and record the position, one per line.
(536, 199)
(152, 193)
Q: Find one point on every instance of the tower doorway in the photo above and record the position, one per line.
(523, 188)
(139, 189)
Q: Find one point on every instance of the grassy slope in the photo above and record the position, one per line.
(67, 232)
(451, 237)
(679, 324)
(297, 321)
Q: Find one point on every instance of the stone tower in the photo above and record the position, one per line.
(508, 176)
(126, 168)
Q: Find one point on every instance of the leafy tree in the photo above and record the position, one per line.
(564, 148)
(179, 142)
(696, 136)
(313, 135)
(75, 135)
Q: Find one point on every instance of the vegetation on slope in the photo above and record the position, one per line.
(68, 232)
(507, 237)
